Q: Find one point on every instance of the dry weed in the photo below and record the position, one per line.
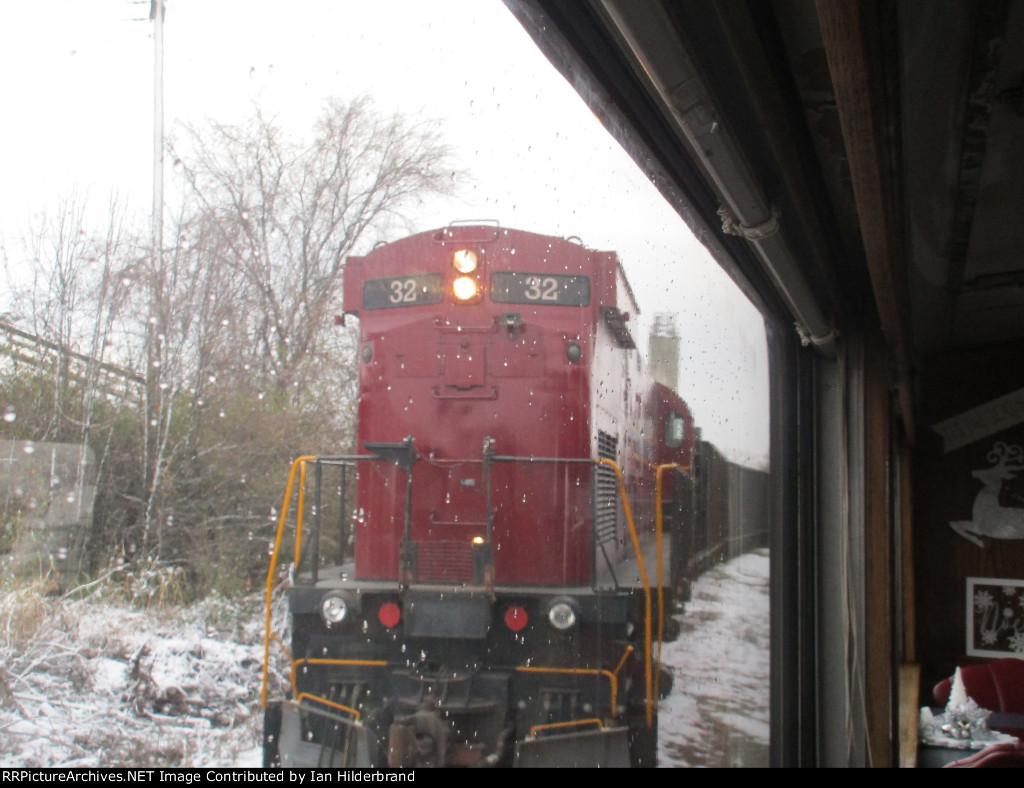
(24, 612)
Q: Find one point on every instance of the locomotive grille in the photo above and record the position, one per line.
(606, 505)
(444, 562)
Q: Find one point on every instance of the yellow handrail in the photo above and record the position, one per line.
(644, 581)
(659, 530)
(272, 571)
(299, 466)
(612, 675)
(573, 724)
(287, 651)
(317, 699)
(300, 507)
(358, 663)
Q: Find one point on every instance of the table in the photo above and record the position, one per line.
(929, 756)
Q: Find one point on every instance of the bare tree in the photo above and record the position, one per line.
(192, 306)
(287, 213)
(70, 300)
(70, 293)
(57, 249)
(225, 332)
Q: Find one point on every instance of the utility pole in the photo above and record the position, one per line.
(154, 413)
(156, 13)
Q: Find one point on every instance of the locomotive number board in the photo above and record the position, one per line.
(398, 291)
(545, 289)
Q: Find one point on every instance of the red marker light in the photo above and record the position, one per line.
(389, 614)
(516, 618)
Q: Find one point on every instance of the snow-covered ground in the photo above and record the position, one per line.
(97, 683)
(717, 713)
(91, 683)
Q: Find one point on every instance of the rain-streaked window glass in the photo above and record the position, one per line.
(388, 241)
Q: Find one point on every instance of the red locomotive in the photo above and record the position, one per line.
(493, 592)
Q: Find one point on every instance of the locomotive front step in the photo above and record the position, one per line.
(603, 747)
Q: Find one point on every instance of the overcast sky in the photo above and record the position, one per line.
(77, 97)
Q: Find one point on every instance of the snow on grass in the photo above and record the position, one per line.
(95, 683)
(717, 712)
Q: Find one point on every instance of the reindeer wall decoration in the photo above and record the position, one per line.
(990, 517)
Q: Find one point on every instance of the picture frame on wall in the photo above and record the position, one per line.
(995, 617)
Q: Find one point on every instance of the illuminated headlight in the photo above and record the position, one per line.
(465, 288)
(464, 261)
(334, 609)
(561, 614)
